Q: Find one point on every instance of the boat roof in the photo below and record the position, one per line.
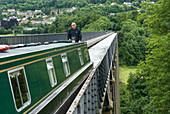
(30, 49)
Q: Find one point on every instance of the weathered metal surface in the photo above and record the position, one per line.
(94, 96)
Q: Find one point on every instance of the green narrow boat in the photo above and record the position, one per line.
(38, 79)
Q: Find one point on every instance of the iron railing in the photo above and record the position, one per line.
(90, 99)
(25, 39)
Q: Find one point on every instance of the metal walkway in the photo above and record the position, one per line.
(100, 92)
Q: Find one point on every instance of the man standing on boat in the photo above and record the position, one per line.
(74, 34)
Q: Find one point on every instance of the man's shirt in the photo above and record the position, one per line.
(74, 33)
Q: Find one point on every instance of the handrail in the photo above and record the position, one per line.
(25, 39)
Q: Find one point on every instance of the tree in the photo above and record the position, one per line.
(52, 28)
(158, 58)
(100, 25)
(158, 19)
(131, 43)
(46, 11)
(2, 30)
(154, 72)
(1, 17)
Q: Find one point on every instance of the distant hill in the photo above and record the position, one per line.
(64, 3)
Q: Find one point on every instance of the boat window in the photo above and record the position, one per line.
(51, 72)
(19, 87)
(65, 64)
(80, 56)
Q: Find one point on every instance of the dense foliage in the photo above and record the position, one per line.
(132, 43)
(34, 4)
(149, 86)
(57, 3)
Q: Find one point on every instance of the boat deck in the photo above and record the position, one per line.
(24, 50)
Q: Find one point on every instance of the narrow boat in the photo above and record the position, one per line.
(38, 79)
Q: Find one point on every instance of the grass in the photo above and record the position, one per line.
(7, 35)
(125, 95)
(13, 34)
(124, 73)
